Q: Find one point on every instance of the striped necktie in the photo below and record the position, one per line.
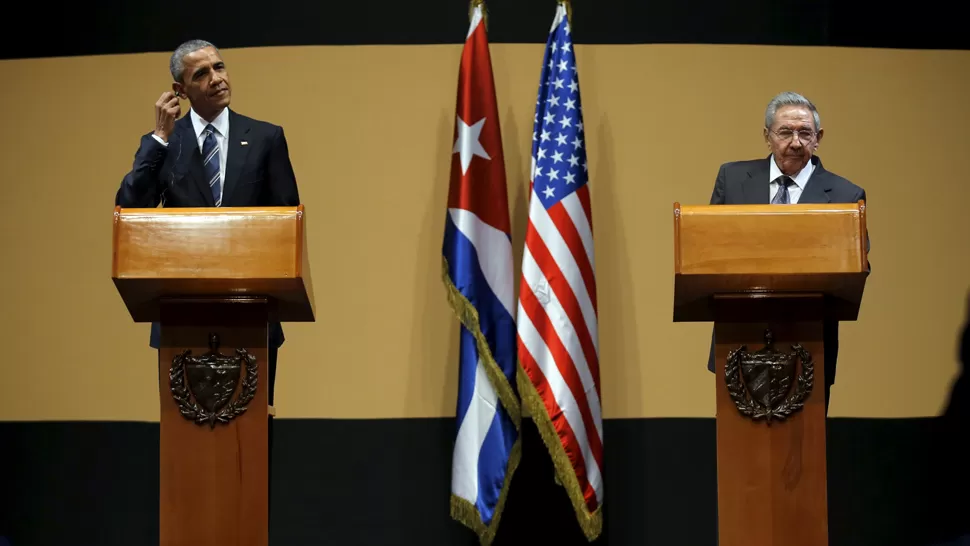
(210, 151)
(781, 196)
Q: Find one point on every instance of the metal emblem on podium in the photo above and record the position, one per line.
(203, 386)
(760, 382)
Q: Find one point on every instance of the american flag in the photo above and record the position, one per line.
(556, 319)
(478, 275)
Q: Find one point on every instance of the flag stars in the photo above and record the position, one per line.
(573, 86)
(545, 136)
(563, 65)
(556, 157)
(549, 192)
(577, 143)
(553, 100)
(570, 178)
(558, 83)
(553, 174)
(561, 139)
(573, 160)
(566, 121)
(542, 154)
(570, 104)
(549, 118)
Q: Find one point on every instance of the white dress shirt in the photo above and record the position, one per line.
(221, 132)
(795, 190)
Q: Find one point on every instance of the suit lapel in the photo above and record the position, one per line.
(191, 158)
(238, 128)
(756, 186)
(818, 187)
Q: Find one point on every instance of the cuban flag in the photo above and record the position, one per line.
(477, 271)
(557, 311)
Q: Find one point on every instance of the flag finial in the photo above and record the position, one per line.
(471, 11)
(569, 9)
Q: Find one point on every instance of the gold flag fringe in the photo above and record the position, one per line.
(590, 522)
(468, 316)
(466, 513)
(471, 9)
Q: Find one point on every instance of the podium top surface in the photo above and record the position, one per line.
(213, 253)
(736, 249)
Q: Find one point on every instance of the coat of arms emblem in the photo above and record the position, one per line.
(203, 386)
(764, 385)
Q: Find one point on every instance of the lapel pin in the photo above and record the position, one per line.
(244, 143)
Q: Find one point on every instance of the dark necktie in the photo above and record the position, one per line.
(210, 151)
(781, 196)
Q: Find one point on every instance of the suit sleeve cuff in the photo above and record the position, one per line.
(159, 139)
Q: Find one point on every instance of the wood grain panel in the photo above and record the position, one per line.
(770, 239)
(210, 252)
(213, 483)
(772, 485)
(723, 249)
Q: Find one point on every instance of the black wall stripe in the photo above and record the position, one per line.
(117, 26)
(386, 482)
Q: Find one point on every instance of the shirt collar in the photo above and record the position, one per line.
(221, 123)
(800, 179)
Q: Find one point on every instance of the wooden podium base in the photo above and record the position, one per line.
(214, 486)
(771, 479)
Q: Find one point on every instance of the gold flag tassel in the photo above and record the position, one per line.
(467, 514)
(590, 522)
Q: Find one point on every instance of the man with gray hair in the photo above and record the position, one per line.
(791, 173)
(210, 157)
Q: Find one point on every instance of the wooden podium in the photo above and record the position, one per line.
(768, 276)
(213, 278)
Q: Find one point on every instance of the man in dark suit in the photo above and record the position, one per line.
(792, 173)
(210, 157)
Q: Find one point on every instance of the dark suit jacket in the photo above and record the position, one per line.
(747, 183)
(258, 174)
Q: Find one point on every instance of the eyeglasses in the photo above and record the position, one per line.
(803, 135)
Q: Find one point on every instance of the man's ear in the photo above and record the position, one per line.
(818, 139)
(177, 89)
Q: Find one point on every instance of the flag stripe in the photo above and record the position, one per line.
(491, 242)
(570, 304)
(546, 230)
(562, 428)
(572, 394)
(561, 405)
(580, 218)
(558, 319)
(583, 194)
(474, 426)
(560, 216)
